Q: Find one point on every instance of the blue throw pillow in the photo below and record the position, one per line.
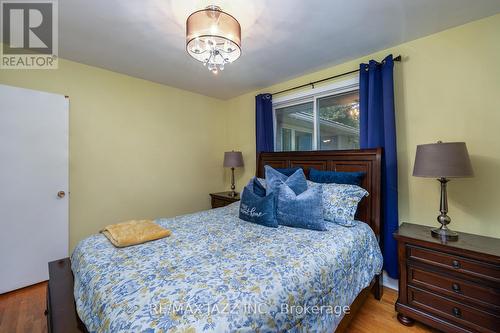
(304, 210)
(350, 178)
(287, 171)
(258, 187)
(262, 182)
(256, 206)
(274, 179)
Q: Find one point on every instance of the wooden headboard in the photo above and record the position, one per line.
(365, 160)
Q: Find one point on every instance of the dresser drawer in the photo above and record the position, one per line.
(455, 263)
(453, 311)
(449, 285)
(221, 199)
(216, 203)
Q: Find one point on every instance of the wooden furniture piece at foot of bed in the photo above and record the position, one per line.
(61, 309)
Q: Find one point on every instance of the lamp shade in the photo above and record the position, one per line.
(442, 159)
(233, 159)
(213, 37)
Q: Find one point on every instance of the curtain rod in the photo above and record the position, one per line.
(398, 58)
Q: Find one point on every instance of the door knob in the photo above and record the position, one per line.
(61, 194)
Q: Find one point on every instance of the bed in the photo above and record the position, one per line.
(217, 273)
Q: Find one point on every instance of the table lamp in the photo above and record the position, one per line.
(443, 160)
(233, 159)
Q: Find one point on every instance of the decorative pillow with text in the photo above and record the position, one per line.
(258, 206)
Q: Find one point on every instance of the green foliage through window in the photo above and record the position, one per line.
(344, 114)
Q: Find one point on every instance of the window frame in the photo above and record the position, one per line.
(335, 88)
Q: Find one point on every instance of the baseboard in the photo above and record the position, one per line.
(390, 282)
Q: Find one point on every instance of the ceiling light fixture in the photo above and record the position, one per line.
(213, 37)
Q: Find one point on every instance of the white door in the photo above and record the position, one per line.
(33, 169)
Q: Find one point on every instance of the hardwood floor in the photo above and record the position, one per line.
(380, 317)
(23, 311)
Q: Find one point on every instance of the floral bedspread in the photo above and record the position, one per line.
(217, 273)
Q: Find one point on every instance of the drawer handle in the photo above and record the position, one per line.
(457, 313)
(455, 264)
(455, 287)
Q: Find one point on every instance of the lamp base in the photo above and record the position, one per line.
(233, 193)
(444, 234)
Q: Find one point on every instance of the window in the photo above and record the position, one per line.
(326, 119)
(295, 126)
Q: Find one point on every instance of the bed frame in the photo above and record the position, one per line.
(360, 160)
(61, 311)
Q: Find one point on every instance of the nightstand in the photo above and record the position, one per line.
(222, 199)
(451, 286)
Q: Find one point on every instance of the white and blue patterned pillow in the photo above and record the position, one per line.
(340, 202)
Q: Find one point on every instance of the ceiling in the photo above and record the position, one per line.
(280, 39)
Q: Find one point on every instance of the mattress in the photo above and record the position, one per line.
(217, 273)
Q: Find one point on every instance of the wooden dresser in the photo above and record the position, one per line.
(222, 199)
(453, 286)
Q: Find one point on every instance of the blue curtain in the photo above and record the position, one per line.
(378, 129)
(264, 127)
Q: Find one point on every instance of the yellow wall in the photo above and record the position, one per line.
(137, 149)
(447, 88)
(140, 149)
